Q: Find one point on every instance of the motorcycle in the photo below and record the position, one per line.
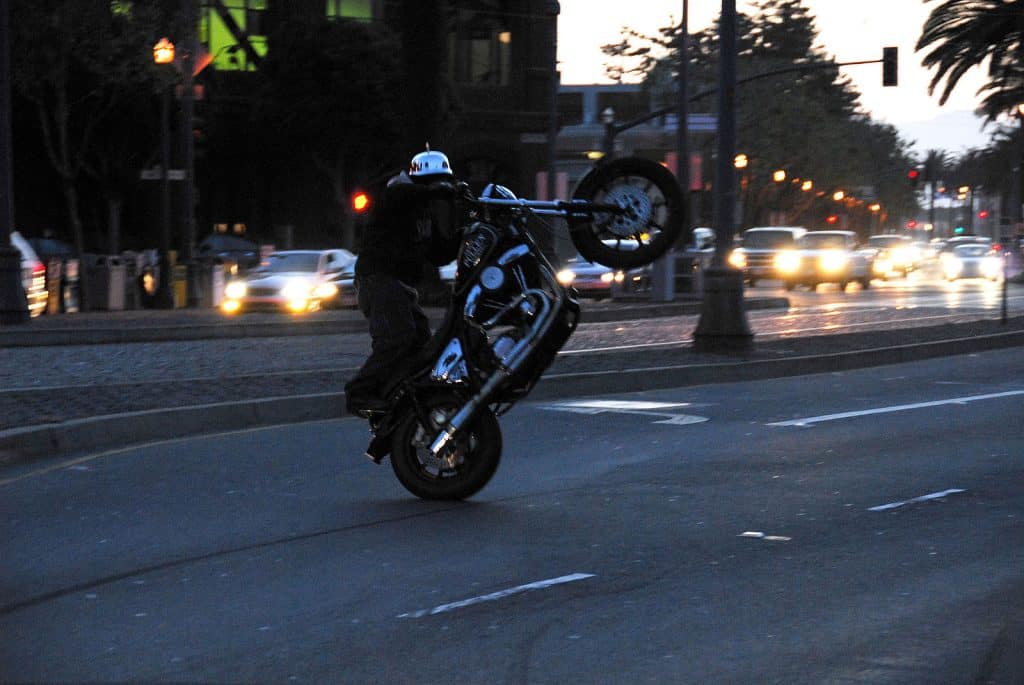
(508, 318)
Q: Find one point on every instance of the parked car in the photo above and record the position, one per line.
(759, 248)
(295, 281)
(894, 254)
(229, 249)
(826, 257)
(971, 260)
(33, 275)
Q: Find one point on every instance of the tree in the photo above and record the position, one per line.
(332, 85)
(805, 121)
(79, 64)
(963, 34)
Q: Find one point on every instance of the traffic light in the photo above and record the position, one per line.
(831, 219)
(958, 230)
(912, 224)
(914, 176)
(983, 214)
(890, 62)
(360, 202)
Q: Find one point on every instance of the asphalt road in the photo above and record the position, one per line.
(723, 535)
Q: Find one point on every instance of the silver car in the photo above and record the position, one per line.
(294, 281)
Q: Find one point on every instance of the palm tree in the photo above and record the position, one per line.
(963, 34)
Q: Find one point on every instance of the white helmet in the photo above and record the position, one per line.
(429, 163)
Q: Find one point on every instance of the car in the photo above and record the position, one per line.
(951, 243)
(590, 279)
(894, 254)
(760, 246)
(826, 257)
(971, 260)
(231, 250)
(294, 281)
(33, 275)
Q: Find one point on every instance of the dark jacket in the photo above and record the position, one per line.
(414, 227)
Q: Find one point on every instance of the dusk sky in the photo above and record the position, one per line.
(848, 31)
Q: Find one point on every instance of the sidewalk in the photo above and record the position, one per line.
(194, 371)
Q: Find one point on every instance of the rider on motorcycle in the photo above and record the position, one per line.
(415, 227)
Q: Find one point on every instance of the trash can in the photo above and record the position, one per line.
(104, 282)
(132, 268)
(54, 271)
(70, 295)
(180, 285)
(211, 281)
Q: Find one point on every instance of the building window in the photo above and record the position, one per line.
(222, 44)
(480, 48)
(350, 9)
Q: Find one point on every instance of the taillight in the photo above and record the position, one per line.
(38, 269)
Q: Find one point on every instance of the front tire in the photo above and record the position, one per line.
(464, 467)
(653, 218)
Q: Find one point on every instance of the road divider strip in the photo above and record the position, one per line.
(494, 596)
(922, 498)
(810, 421)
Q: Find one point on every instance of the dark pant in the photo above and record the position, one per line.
(398, 332)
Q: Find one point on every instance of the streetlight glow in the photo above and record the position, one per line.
(807, 185)
(740, 161)
(163, 51)
(838, 195)
(779, 175)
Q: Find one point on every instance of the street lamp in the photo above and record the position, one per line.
(779, 175)
(163, 53)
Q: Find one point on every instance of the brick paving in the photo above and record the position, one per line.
(42, 384)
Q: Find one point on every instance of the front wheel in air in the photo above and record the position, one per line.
(638, 213)
(463, 467)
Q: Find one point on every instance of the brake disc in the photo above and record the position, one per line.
(637, 215)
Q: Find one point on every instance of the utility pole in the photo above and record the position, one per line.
(188, 63)
(723, 319)
(13, 307)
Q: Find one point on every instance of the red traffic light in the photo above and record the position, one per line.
(983, 214)
(912, 223)
(913, 174)
(360, 202)
(831, 218)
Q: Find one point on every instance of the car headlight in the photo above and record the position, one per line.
(325, 291)
(787, 262)
(738, 259)
(566, 276)
(991, 266)
(882, 265)
(235, 290)
(902, 256)
(952, 267)
(620, 276)
(833, 261)
(607, 277)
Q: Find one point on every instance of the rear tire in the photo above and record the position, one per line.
(650, 192)
(465, 466)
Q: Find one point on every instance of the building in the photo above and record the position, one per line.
(480, 84)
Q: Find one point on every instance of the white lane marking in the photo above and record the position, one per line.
(501, 594)
(761, 536)
(594, 407)
(810, 421)
(922, 498)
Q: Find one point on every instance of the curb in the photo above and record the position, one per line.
(21, 445)
(186, 330)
